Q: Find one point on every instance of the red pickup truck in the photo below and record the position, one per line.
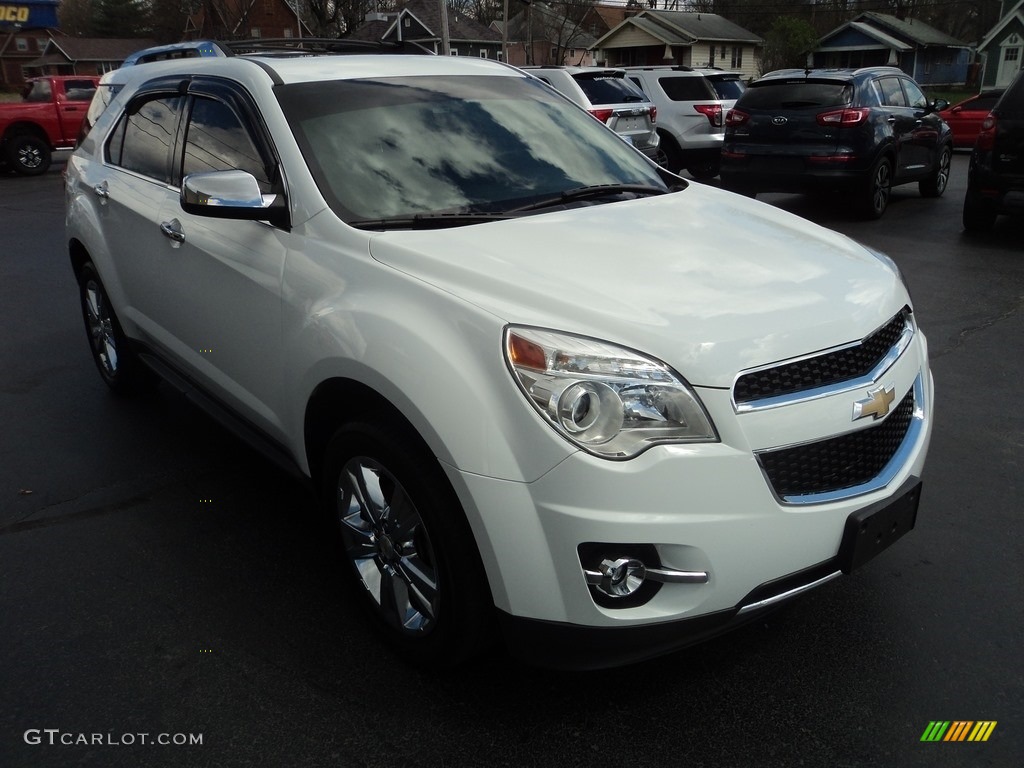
(48, 117)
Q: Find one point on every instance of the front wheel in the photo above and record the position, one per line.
(118, 366)
(406, 544)
(935, 184)
(28, 154)
(875, 196)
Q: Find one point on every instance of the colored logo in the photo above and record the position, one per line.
(959, 730)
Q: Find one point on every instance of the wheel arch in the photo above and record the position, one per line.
(24, 127)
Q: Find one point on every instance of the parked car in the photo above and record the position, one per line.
(965, 118)
(728, 85)
(538, 381)
(47, 118)
(860, 131)
(608, 96)
(995, 177)
(690, 114)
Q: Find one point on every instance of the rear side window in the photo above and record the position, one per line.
(1012, 102)
(609, 90)
(79, 90)
(687, 88)
(891, 92)
(803, 94)
(143, 138)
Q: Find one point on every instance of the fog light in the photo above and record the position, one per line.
(622, 577)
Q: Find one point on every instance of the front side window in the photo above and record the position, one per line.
(216, 140)
(393, 147)
(79, 90)
(915, 95)
(143, 137)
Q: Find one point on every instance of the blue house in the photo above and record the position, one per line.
(871, 39)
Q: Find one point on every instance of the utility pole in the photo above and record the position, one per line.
(446, 49)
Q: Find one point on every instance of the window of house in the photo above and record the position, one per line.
(408, 22)
(737, 56)
(553, 56)
(255, 33)
(287, 32)
(455, 51)
(143, 138)
(41, 43)
(21, 44)
(483, 53)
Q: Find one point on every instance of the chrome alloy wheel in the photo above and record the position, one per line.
(881, 187)
(100, 323)
(387, 542)
(942, 176)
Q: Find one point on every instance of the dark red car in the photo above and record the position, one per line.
(965, 118)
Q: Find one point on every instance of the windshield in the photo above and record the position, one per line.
(410, 146)
(797, 94)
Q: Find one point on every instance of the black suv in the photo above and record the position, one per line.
(995, 181)
(861, 131)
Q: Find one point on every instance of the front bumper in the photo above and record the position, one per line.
(701, 508)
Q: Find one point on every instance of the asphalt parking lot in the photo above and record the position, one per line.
(161, 582)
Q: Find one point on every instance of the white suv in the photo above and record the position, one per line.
(421, 281)
(610, 97)
(691, 117)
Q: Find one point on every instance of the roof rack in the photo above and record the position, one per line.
(309, 46)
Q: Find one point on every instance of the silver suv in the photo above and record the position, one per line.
(610, 97)
(690, 117)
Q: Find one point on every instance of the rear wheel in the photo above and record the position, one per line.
(979, 214)
(875, 194)
(704, 169)
(405, 543)
(669, 155)
(935, 184)
(28, 154)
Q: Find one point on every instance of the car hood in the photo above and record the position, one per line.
(709, 282)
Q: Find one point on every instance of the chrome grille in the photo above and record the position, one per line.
(822, 370)
(839, 462)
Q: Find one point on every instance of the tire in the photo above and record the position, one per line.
(979, 214)
(119, 368)
(28, 154)
(704, 169)
(407, 547)
(876, 192)
(935, 184)
(669, 155)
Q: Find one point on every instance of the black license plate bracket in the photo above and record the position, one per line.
(871, 530)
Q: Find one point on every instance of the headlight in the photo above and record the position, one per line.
(606, 399)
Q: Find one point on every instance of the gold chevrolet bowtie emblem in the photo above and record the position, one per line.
(877, 403)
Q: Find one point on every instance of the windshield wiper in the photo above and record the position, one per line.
(585, 193)
(428, 220)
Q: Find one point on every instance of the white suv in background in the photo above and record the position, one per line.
(539, 383)
(608, 96)
(691, 117)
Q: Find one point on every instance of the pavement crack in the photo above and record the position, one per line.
(970, 331)
(104, 509)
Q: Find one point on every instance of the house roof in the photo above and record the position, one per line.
(910, 30)
(683, 28)
(871, 33)
(1015, 13)
(426, 14)
(94, 48)
(549, 25)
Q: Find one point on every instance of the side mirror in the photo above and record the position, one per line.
(231, 195)
(939, 104)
